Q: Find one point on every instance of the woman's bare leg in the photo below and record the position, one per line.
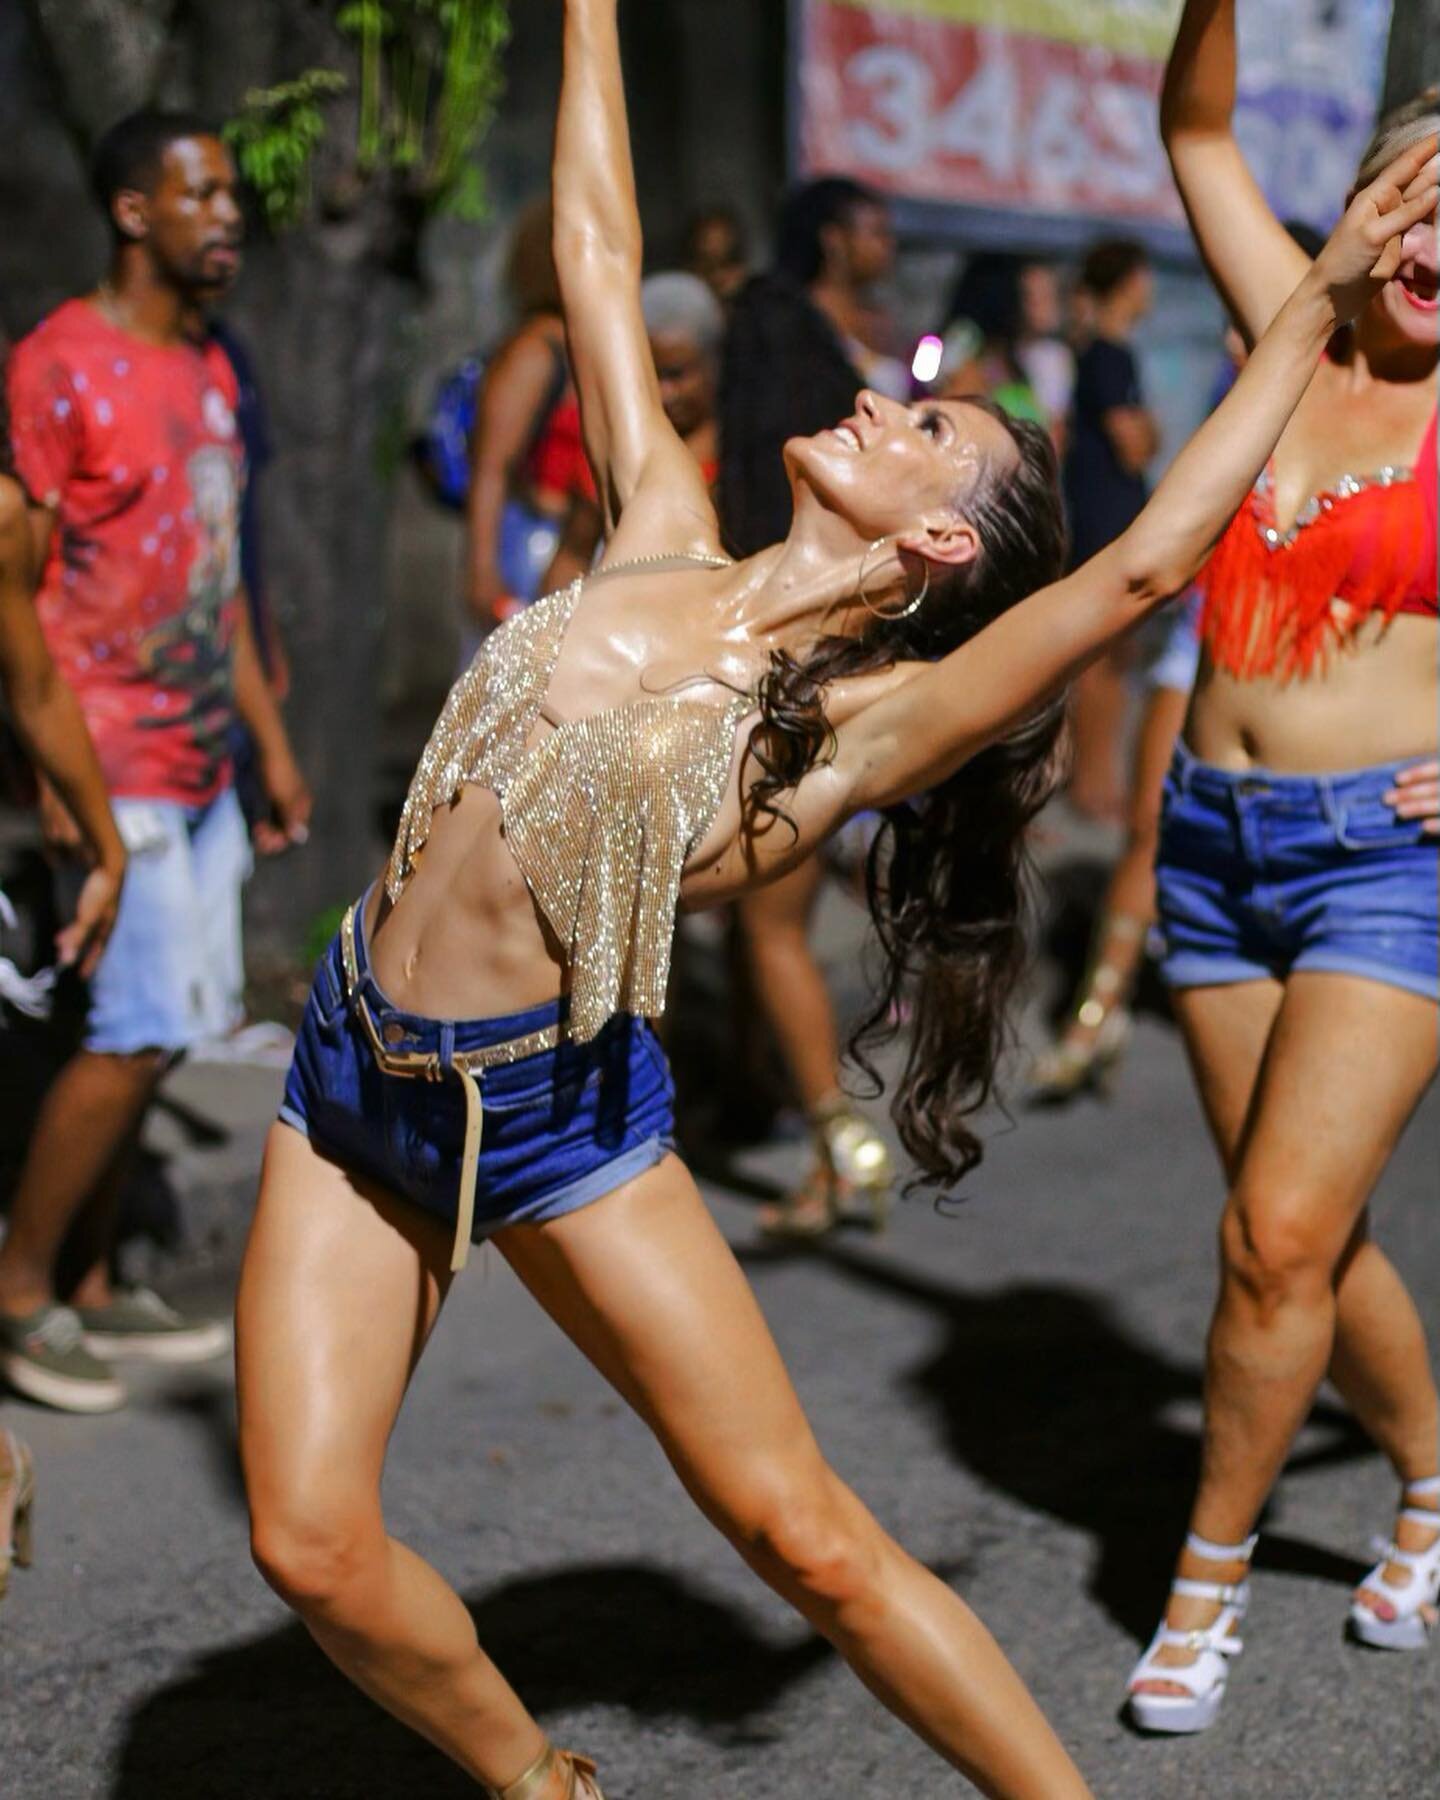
(645, 1285)
(789, 985)
(1118, 949)
(341, 1286)
(1379, 1336)
(1342, 1068)
(1099, 702)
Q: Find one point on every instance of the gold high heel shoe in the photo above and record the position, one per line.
(850, 1183)
(1074, 1065)
(17, 1544)
(860, 1163)
(579, 1772)
(1067, 1069)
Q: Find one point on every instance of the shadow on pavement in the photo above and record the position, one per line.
(1048, 1397)
(273, 1718)
(209, 1406)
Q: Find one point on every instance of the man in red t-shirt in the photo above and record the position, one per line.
(123, 426)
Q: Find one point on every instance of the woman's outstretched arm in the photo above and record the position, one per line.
(653, 493)
(927, 728)
(1251, 257)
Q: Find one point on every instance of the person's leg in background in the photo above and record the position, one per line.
(1099, 702)
(144, 1008)
(852, 1166)
(1097, 1026)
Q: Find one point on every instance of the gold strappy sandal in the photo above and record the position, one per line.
(1086, 1055)
(19, 1478)
(850, 1182)
(579, 1773)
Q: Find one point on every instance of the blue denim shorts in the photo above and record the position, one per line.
(172, 974)
(560, 1129)
(1265, 875)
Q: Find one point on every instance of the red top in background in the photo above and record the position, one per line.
(1277, 603)
(134, 448)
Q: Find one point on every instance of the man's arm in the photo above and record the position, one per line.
(50, 725)
(255, 703)
(1129, 425)
(1134, 436)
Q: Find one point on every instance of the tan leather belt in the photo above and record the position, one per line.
(427, 1065)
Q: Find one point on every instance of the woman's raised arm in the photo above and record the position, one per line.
(642, 468)
(927, 728)
(1251, 257)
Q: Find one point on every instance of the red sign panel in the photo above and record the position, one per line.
(934, 108)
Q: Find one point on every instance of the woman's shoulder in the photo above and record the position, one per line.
(17, 546)
(15, 504)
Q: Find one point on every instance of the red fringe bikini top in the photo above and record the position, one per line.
(1276, 603)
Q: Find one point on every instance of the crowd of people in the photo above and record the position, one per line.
(747, 581)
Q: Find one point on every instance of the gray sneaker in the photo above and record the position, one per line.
(43, 1357)
(138, 1323)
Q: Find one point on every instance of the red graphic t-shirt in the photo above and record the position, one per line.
(134, 448)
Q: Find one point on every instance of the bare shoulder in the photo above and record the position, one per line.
(14, 502)
(15, 509)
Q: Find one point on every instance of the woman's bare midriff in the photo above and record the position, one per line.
(1376, 702)
(466, 940)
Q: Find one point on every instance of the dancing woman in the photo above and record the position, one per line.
(605, 757)
(1299, 906)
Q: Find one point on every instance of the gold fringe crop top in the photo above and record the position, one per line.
(600, 815)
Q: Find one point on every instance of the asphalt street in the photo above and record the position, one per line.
(1012, 1385)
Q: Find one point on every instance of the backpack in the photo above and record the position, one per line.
(444, 446)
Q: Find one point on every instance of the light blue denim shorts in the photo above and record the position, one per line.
(1260, 874)
(173, 972)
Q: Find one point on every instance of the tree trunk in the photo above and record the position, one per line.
(321, 318)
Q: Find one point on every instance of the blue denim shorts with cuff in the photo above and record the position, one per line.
(560, 1129)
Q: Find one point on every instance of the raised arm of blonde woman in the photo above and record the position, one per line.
(1251, 257)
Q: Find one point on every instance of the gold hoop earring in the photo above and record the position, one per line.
(869, 605)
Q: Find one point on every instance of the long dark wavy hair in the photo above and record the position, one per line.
(946, 874)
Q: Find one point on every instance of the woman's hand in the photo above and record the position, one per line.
(1416, 795)
(1363, 251)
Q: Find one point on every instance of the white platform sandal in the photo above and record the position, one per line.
(1409, 1629)
(1205, 1679)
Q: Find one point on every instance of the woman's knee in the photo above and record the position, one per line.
(318, 1553)
(1277, 1248)
(806, 1531)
